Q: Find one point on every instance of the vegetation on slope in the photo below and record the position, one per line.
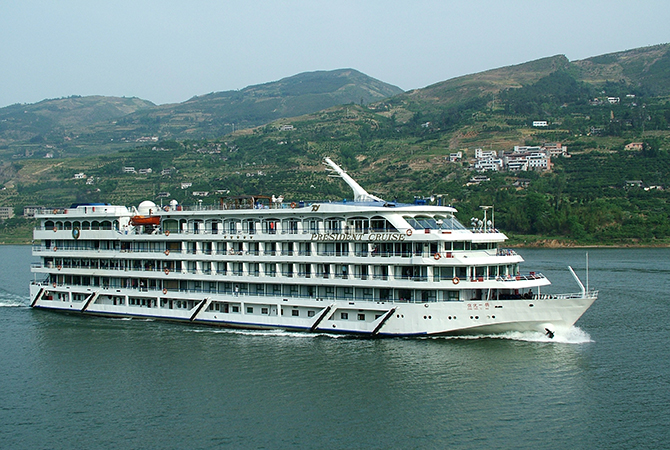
(398, 148)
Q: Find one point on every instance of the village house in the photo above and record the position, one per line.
(6, 212)
(477, 179)
(555, 149)
(29, 211)
(453, 157)
(480, 153)
(635, 146)
(521, 183)
(485, 164)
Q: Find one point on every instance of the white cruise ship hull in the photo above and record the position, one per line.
(360, 317)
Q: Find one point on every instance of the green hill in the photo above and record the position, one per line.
(219, 113)
(52, 121)
(76, 126)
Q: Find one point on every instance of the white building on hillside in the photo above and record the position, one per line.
(481, 154)
(486, 164)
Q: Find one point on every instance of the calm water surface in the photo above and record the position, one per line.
(78, 382)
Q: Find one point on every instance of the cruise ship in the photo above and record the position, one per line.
(368, 267)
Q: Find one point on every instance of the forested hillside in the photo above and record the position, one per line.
(602, 193)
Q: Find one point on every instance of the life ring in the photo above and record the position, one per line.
(166, 208)
(55, 229)
(437, 256)
(55, 248)
(76, 233)
(167, 271)
(167, 252)
(231, 252)
(59, 267)
(455, 280)
(54, 285)
(167, 232)
(164, 291)
(408, 232)
(293, 205)
(55, 211)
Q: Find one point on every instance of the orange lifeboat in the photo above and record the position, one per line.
(145, 220)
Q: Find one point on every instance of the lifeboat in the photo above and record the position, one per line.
(145, 220)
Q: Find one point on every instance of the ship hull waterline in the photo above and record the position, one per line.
(461, 318)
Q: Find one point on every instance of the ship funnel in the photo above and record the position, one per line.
(360, 194)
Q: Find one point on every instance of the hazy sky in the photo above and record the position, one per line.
(168, 51)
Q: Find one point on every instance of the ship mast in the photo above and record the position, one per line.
(360, 194)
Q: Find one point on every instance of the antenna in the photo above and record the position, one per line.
(360, 194)
(587, 271)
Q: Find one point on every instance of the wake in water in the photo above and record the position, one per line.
(9, 300)
(571, 335)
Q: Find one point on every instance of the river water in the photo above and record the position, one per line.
(69, 381)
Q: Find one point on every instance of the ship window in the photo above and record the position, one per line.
(235, 309)
(250, 226)
(291, 226)
(426, 222)
(170, 225)
(379, 225)
(358, 225)
(311, 225)
(310, 313)
(344, 316)
(449, 222)
(361, 317)
(232, 227)
(264, 311)
(250, 309)
(333, 225)
(270, 226)
(295, 313)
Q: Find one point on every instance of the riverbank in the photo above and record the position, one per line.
(530, 241)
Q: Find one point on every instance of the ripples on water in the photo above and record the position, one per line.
(69, 381)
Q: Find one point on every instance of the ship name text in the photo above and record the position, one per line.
(358, 237)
